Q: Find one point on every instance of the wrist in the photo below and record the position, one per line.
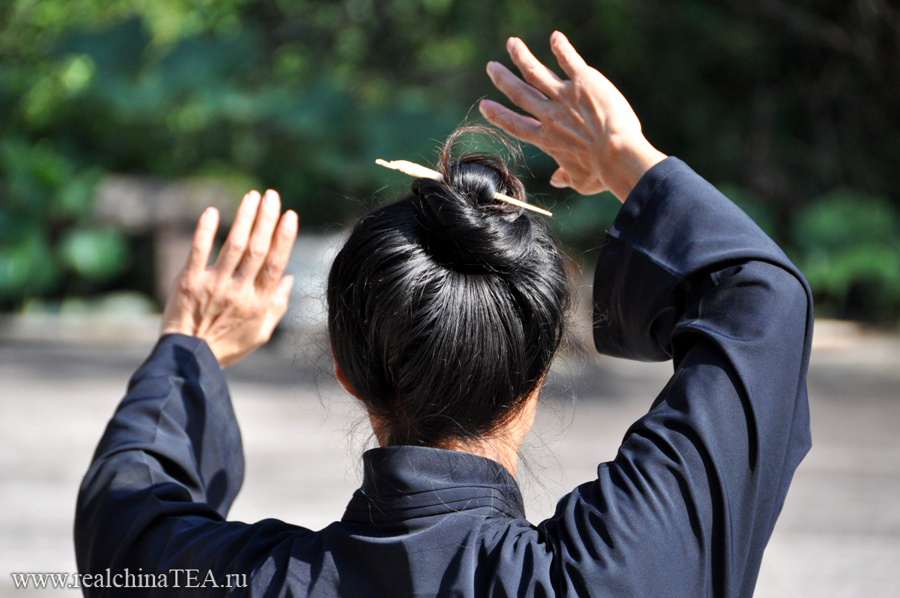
(626, 163)
(176, 328)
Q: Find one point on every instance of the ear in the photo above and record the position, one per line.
(342, 379)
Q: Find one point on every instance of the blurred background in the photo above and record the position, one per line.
(791, 107)
(120, 120)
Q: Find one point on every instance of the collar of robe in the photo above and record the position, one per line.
(401, 483)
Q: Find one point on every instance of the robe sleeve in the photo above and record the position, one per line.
(167, 469)
(688, 504)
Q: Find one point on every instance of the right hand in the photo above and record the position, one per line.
(584, 123)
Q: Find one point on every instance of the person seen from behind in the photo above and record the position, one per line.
(445, 309)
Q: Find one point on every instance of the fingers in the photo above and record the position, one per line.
(520, 93)
(560, 179)
(279, 253)
(236, 242)
(261, 238)
(569, 60)
(522, 127)
(535, 73)
(201, 246)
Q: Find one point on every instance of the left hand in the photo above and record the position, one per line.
(235, 304)
(583, 122)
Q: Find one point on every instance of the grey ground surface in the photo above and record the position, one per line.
(838, 536)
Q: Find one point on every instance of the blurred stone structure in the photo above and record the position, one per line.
(167, 210)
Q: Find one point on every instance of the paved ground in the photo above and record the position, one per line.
(839, 535)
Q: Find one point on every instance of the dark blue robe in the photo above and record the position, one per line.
(685, 509)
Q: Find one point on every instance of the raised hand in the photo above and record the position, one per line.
(583, 123)
(235, 304)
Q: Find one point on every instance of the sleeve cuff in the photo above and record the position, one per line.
(643, 195)
(203, 367)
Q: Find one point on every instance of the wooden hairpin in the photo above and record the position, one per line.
(421, 172)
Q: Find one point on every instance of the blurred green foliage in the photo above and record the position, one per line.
(47, 241)
(849, 248)
(789, 106)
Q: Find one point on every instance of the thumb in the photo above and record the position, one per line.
(282, 295)
(560, 179)
(278, 306)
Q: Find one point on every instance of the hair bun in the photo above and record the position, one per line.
(463, 226)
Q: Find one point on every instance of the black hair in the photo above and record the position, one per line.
(446, 307)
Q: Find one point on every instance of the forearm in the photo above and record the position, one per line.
(173, 446)
(673, 228)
